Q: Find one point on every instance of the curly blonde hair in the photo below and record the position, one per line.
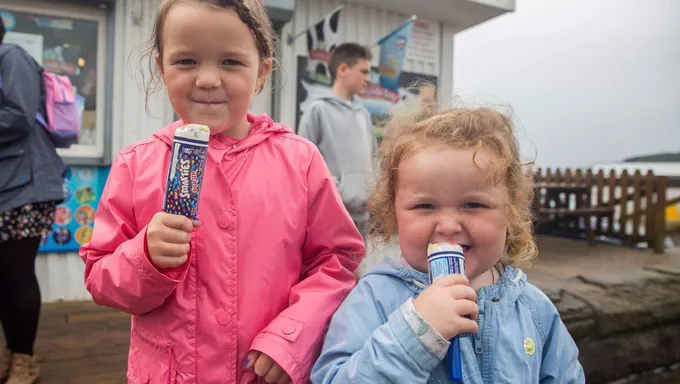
(462, 128)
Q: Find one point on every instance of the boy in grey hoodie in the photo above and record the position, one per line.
(342, 129)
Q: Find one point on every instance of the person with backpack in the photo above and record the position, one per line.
(30, 188)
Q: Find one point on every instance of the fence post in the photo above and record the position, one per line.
(660, 215)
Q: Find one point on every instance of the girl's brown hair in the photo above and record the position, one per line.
(251, 12)
(462, 128)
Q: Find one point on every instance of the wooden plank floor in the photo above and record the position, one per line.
(81, 343)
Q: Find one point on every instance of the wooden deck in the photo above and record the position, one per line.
(81, 343)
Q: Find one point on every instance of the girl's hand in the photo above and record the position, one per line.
(168, 237)
(445, 303)
(265, 367)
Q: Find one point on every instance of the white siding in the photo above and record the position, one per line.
(60, 276)
(131, 120)
(358, 24)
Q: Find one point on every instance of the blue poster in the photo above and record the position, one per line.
(74, 218)
(392, 54)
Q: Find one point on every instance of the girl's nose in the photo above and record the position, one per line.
(208, 78)
(448, 224)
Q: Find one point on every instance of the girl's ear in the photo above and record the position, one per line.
(159, 63)
(264, 70)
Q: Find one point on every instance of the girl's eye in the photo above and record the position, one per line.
(475, 205)
(424, 206)
(186, 62)
(232, 62)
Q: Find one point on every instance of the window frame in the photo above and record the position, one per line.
(100, 15)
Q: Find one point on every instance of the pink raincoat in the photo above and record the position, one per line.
(271, 262)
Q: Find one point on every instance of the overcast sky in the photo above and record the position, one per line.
(591, 81)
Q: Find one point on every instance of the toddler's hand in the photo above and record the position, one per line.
(168, 237)
(444, 304)
(265, 367)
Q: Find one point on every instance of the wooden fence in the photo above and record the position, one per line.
(627, 207)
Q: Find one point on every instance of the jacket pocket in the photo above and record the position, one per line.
(286, 328)
(15, 167)
(151, 367)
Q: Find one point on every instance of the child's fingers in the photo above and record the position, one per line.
(175, 236)
(452, 279)
(171, 250)
(468, 326)
(178, 222)
(466, 308)
(262, 365)
(462, 292)
(252, 357)
(169, 262)
(285, 379)
(275, 373)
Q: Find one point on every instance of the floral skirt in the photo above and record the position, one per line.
(30, 220)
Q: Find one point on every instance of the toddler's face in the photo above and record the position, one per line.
(211, 67)
(442, 196)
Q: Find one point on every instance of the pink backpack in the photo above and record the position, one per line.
(61, 106)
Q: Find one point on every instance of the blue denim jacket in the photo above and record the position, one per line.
(521, 338)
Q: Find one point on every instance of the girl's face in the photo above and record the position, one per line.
(442, 196)
(211, 67)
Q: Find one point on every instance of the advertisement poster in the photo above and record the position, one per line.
(74, 219)
(380, 107)
(392, 53)
(32, 43)
(424, 44)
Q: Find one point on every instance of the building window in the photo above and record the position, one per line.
(67, 40)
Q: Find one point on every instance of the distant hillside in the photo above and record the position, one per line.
(657, 158)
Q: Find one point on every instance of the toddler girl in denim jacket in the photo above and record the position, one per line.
(452, 176)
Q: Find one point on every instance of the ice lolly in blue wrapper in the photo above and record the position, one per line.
(445, 259)
(185, 174)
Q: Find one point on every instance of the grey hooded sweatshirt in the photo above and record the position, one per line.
(343, 132)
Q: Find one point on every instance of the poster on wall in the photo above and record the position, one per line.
(74, 218)
(32, 43)
(424, 44)
(380, 107)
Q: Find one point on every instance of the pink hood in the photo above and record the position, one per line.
(271, 262)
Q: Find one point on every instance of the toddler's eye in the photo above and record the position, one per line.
(231, 62)
(475, 205)
(424, 206)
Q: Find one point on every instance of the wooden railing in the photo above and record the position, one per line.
(630, 208)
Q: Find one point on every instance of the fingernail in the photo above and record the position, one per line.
(247, 363)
